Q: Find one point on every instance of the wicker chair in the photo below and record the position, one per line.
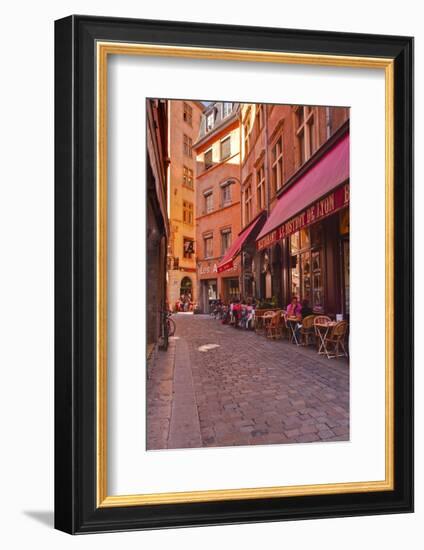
(273, 327)
(321, 319)
(262, 321)
(283, 324)
(307, 331)
(336, 340)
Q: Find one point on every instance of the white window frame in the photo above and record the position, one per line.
(225, 232)
(279, 159)
(208, 195)
(260, 187)
(208, 238)
(227, 138)
(227, 108)
(204, 158)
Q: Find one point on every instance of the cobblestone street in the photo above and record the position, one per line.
(218, 386)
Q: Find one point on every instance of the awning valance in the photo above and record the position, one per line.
(320, 192)
(227, 261)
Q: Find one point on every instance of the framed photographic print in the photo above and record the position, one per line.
(234, 287)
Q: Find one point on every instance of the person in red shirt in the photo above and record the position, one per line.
(236, 312)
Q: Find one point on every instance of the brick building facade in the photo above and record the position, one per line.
(184, 123)
(283, 146)
(217, 201)
(258, 204)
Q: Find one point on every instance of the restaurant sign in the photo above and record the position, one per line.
(230, 265)
(226, 267)
(208, 268)
(317, 211)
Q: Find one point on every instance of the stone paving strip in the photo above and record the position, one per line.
(247, 391)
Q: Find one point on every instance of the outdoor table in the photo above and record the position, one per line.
(292, 322)
(322, 330)
(257, 322)
(260, 321)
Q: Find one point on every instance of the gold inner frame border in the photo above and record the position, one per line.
(103, 50)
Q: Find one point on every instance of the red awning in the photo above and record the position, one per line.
(227, 261)
(317, 194)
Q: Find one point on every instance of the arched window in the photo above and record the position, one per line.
(186, 287)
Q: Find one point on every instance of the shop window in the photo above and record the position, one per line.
(212, 293)
(344, 222)
(294, 242)
(345, 252)
(317, 280)
(305, 241)
(306, 272)
(268, 285)
(346, 274)
(316, 235)
(233, 289)
(295, 276)
(305, 266)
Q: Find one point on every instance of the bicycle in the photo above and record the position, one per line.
(170, 323)
(168, 327)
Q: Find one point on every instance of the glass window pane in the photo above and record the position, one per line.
(226, 148)
(305, 240)
(294, 242)
(305, 260)
(312, 136)
(300, 116)
(302, 147)
(316, 234)
(317, 281)
(344, 221)
(279, 174)
(208, 159)
(295, 276)
(346, 273)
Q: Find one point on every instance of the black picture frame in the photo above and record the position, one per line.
(75, 275)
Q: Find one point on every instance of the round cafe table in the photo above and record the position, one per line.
(322, 330)
(291, 323)
(261, 322)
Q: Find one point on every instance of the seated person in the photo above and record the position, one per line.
(294, 309)
(306, 309)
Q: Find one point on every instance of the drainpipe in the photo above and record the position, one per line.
(241, 206)
(266, 159)
(267, 179)
(328, 121)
